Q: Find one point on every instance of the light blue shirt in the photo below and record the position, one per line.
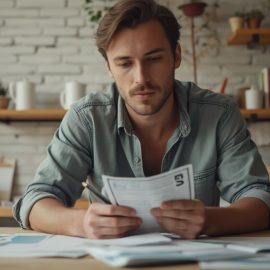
(96, 137)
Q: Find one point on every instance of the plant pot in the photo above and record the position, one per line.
(236, 23)
(193, 9)
(4, 102)
(254, 23)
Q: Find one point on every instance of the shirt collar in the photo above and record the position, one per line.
(123, 121)
(181, 92)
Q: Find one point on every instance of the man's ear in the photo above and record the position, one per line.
(178, 56)
(109, 69)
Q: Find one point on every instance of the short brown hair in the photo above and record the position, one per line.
(129, 14)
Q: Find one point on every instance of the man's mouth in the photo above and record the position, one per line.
(144, 94)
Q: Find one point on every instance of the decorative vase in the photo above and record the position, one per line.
(4, 102)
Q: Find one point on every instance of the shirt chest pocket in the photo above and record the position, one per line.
(206, 190)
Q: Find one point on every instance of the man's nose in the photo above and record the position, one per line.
(141, 74)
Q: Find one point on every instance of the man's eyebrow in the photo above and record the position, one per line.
(157, 50)
(121, 58)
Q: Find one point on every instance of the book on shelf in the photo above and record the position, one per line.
(264, 84)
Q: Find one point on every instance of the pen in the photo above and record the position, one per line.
(100, 196)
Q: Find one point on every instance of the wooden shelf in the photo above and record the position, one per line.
(32, 115)
(258, 114)
(6, 212)
(245, 36)
(58, 114)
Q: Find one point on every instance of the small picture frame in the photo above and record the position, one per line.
(7, 169)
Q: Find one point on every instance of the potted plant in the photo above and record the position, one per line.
(4, 99)
(254, 18)
(193, 9)
(237, 21)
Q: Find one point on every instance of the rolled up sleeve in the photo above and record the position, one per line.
(59, 176)
(241, 170)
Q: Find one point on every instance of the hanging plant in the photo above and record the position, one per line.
(96, 12)
(209, 42)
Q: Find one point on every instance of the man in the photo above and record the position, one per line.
(144, 124)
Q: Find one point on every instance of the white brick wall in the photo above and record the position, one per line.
(40, 59)
(60, 31)
(16, 50)
(25, 23)
(36, 41)
(20, 31)
(7, 59)
(16, 69)
(51, 41)
(41, 3)
(58, 51)
(7, 3)
(76, 3)
(59, 12)
(18, 13)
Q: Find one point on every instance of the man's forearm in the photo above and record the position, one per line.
(245, 215)
(50, 216)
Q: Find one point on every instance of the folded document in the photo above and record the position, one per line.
(144, 193)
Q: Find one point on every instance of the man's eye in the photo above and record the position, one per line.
(124, 65)
(156, 58)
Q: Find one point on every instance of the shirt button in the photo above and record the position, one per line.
(137, 160)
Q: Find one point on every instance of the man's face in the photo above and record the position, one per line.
(142, 64)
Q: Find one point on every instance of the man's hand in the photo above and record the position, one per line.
(183, 217)
(109, 221)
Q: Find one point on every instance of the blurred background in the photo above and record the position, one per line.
(52, 42)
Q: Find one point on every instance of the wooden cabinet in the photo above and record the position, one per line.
(247, 36)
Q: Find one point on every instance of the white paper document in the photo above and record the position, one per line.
(47, 245)
(247, 244)
(42, 245)
(143, 249)
(145, 193)
(130, 241)
(184, 251)
(251, 263)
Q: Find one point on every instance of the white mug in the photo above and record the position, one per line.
(254, 98)
(73, 92)
(22, 94)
